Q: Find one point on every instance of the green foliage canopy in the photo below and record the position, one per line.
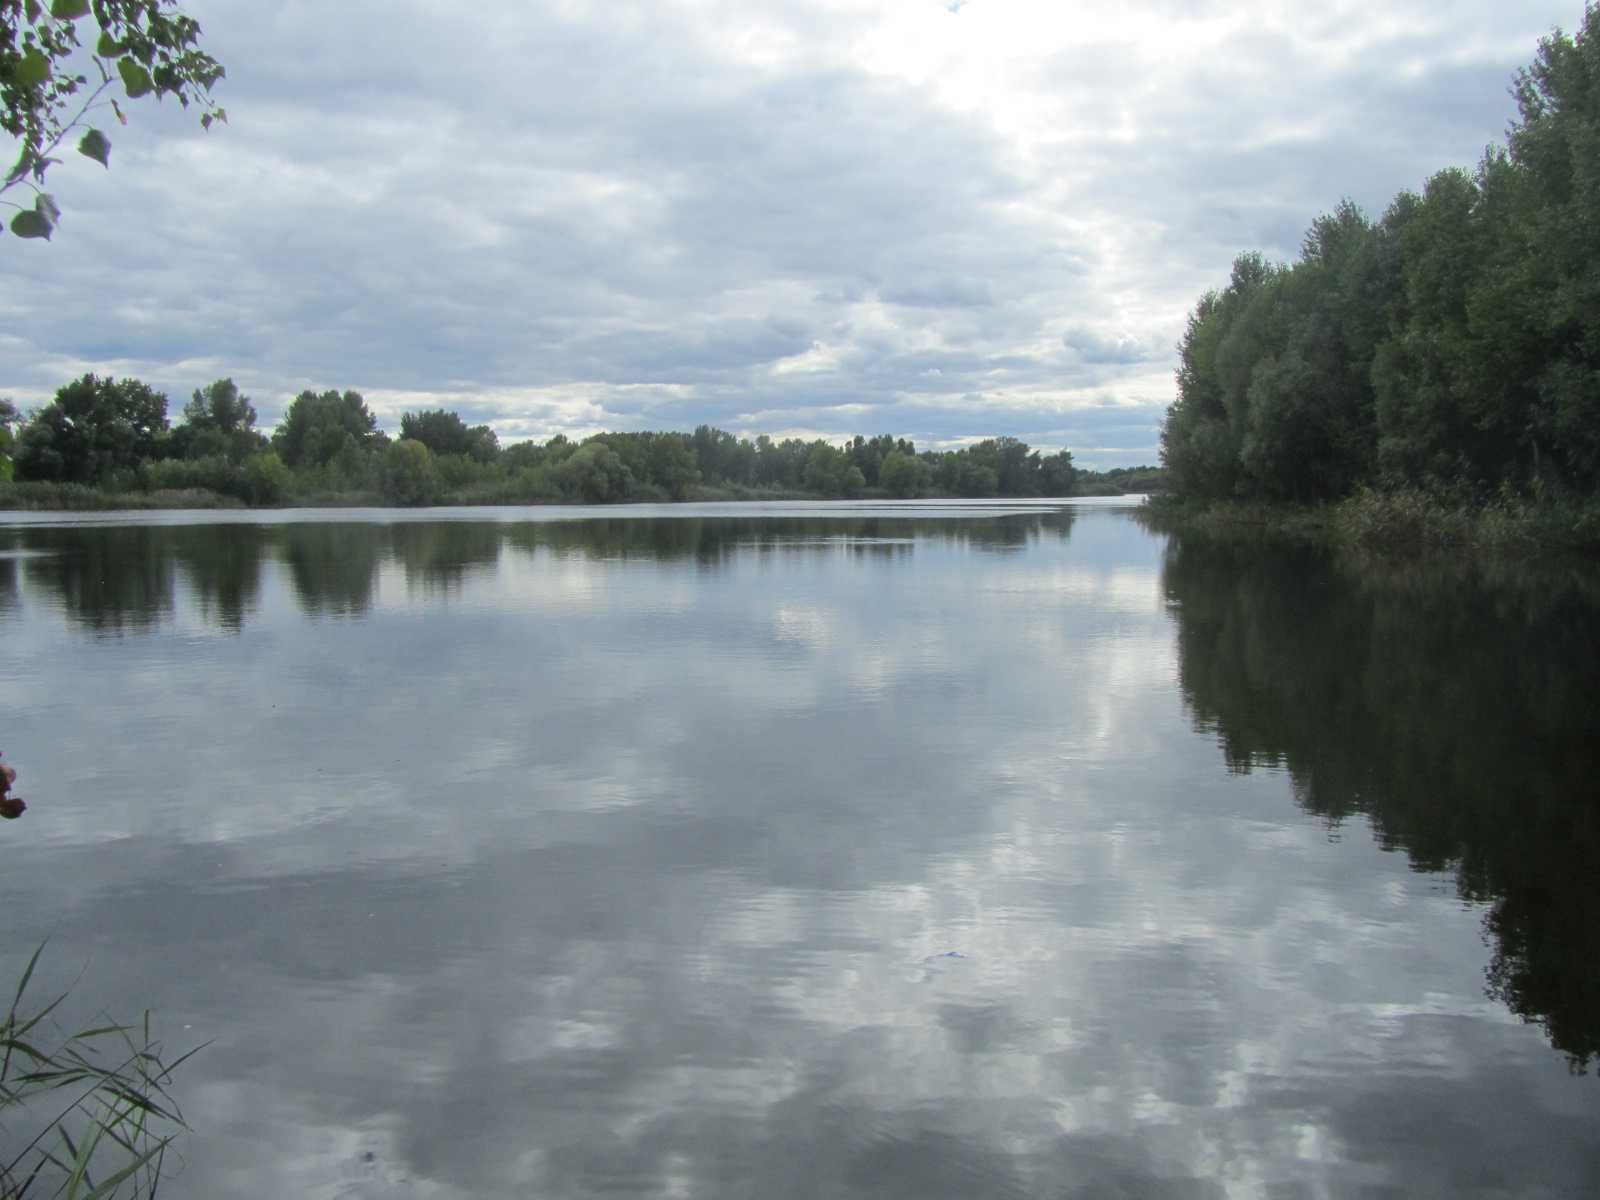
(8, 418)
(409, 476)
(444, 432)
(328, 446)
(217, 421)
(902, 475)
(830, 472)
(58, 62)
(318, 427)
(91, 429)
(1452, 346)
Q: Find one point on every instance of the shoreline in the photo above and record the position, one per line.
(55, 497)
(1394, 522)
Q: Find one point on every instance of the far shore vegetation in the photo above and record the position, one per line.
(106, 443)
(1429, 377)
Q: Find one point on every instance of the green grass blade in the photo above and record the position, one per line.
(27, 975)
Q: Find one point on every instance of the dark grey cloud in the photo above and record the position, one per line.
(612, 216)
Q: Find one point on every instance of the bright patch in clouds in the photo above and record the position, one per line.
(938, 220)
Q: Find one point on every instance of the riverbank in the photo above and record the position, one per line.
(1395, 521)
(77, 497)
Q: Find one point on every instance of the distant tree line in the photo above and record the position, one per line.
(1453, 346)
(114, 435)
(1120, 481)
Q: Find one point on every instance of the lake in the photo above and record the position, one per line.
(927, 850)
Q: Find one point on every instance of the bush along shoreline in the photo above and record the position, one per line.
(1394, 521)
(1429, 378)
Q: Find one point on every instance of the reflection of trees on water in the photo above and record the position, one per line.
(117, 579)
(610, 538)
(222, 563)
(333, 567)
(442, 554)
(716, 542)
(112, 579)
(1452, 705)
(10, 581)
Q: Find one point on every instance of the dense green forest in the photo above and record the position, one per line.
(103, 437)
(1450, 348)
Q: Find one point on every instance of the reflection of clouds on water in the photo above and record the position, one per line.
(806, 625)
(1127, 590)
(570, 886)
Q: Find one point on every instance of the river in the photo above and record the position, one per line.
(967, 850)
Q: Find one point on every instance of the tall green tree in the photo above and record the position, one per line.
(8, 417)
(595, 474)
(1555, 146)
(1057, 475)
(830, 472)
(903, 475)
(1309, 429)
(444, 432)
(91, 429)
(218, 420)
(220, 406)
(1454, 346)
(409, 476)
(670, 464)
(1226, 336)
(721, 456)
(319, 427)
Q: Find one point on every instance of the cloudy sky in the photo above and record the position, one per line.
(941, 219)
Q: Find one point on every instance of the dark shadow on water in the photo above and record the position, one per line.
(334, 568)
(10, 584)
(223, 566)
(716, 542)
(110, 580)
(442, 557)
(120, 579)
(1450, 703)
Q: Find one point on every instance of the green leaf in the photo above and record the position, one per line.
(31, 1051)
(32, 70)
(97, 146)
(107, 46)
(31, 224)
(108, 1187)
(135, 78)
(69, 10)
(33, 11)
(45, 205)
(27, 975)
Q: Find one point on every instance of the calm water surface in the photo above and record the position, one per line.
(815, 851)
